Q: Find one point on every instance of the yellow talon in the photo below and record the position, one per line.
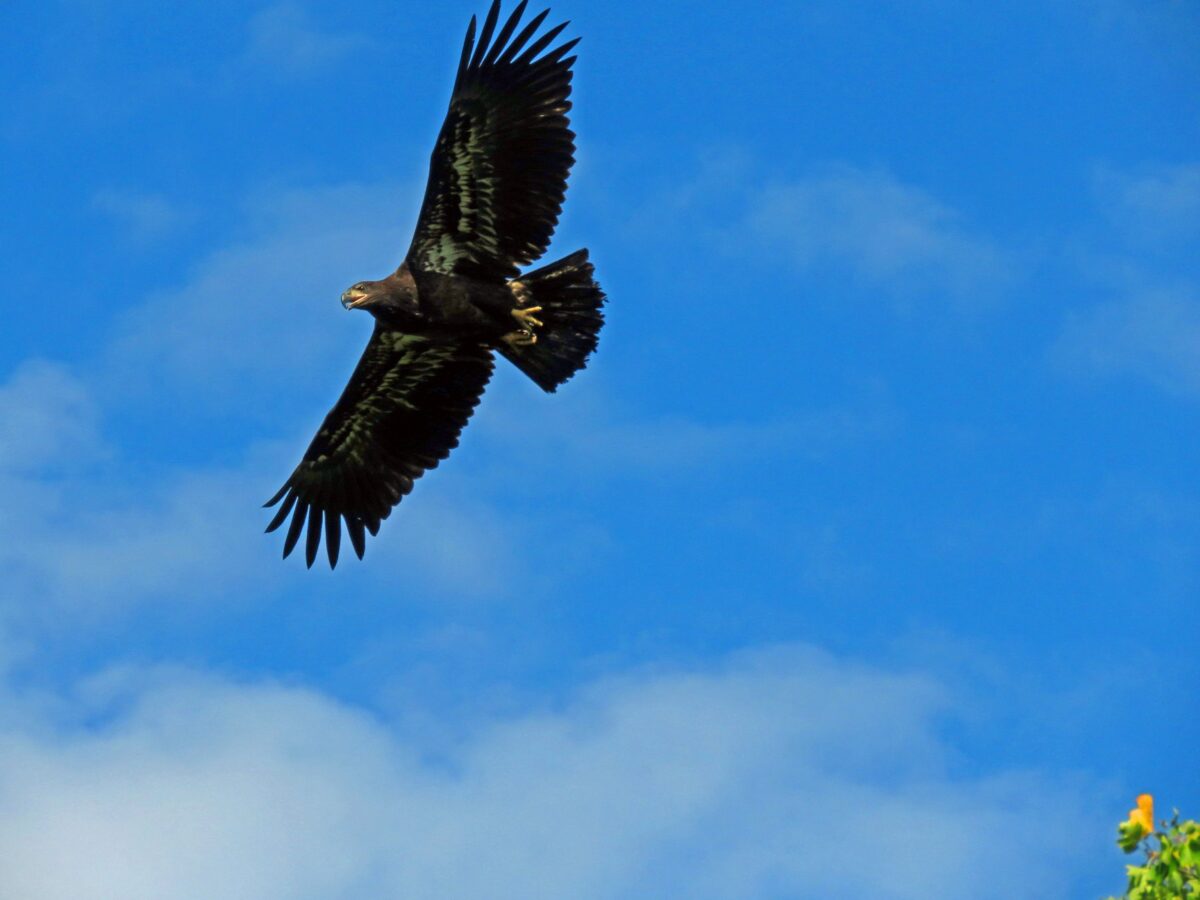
(520, 338)
(525, 316)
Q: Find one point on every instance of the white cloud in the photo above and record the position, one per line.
(1141, 257)
(777, 773)
(80, 533)
(94, 541)
(1168, 29)
(851, 222)
(1170, 192)
(446, 537)
(48, 420)
(888, 234)
(284, 39)
(144, 217)
(1158, 203)
(1152, 335)
(181, 540)
(193, 540)
(592, 432)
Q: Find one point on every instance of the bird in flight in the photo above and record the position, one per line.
(497, 178)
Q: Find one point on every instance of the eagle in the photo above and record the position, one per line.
(497, 179)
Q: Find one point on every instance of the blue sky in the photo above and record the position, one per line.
(875, 520)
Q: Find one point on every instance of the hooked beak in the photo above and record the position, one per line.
(353, 299)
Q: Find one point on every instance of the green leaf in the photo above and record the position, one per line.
(1129, 835)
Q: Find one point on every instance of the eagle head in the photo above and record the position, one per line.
(392, 297)
(364, 293)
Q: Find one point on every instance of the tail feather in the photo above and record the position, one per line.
(571, 303)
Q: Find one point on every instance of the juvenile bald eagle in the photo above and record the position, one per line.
(497, 179)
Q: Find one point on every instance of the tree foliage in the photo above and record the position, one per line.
(1172, 855)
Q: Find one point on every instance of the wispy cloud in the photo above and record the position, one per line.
(189, 540)
(285, 39)
(1139, 252)
(257, 315)
(181, 541)
(887, 234)
(1153, 335)
(48, 420)
(1162, 192)
(860, 224)
(756, 776)
(144, 217)
(87, 534)
(595, 432)
(1157, 204)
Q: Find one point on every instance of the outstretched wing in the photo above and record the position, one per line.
(498, 173)
(401, 413)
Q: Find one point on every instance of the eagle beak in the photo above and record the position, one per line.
(355, 299)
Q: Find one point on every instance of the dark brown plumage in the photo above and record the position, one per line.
(497, 179)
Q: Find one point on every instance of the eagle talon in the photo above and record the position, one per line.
(525, 317)
(522, 338)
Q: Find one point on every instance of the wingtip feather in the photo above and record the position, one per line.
(279, 496)
(540, 44)
(526, 33)
(485, 36)
(313, 542)
(505, 33)
(293, 535)
(333, 537)
(468, 46)
(282, 513)
(358, 538)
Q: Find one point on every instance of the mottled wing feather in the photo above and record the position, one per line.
(401, 413)
(498, 174)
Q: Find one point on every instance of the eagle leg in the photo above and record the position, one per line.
(520, 291)
(524, 336)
